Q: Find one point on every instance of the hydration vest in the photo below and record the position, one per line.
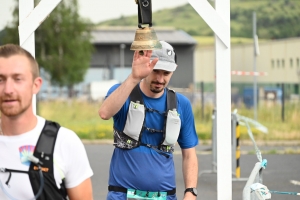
(130, 137)
(44, 152)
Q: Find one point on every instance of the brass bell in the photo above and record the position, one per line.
(145, 39)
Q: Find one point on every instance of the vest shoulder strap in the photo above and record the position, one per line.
(46, 143)
(44, 152)
(171, 99)
(136, 95)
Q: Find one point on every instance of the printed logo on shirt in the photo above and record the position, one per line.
(26, 151)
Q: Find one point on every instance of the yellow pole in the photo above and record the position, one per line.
(238, 151)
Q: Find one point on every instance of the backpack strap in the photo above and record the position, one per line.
(136, 95)
(171, 100)
(171, 104)
(44, 152)
(45, 145)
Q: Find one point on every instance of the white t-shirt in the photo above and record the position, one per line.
(70, 161)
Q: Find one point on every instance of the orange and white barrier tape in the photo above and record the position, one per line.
(244, 73)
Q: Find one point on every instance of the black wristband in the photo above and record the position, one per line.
(192, 190)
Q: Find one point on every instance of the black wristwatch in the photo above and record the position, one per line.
(192, 190)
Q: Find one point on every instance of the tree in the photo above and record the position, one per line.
(63, 46)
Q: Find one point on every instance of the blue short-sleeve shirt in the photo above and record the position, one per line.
(143, 168)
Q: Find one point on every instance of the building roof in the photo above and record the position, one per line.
(125, 35)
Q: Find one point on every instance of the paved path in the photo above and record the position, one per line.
(281, 170)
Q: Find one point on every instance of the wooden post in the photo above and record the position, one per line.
(30, 18)
(218, 20)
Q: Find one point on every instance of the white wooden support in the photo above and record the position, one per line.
(223, 94)
(213, 19)
(219, 21)
(25, 7)
(30, 19)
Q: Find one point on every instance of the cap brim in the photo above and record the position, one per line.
(167, 66)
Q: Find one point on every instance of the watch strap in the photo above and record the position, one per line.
(192, 190)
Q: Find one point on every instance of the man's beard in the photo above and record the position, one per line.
(157, 90)
(15, 110)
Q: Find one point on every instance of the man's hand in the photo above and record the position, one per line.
(141, 64)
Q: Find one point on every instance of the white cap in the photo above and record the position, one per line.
(166, 57)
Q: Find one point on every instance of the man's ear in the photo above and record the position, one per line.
(37, 83)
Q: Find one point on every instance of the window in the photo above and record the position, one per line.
(282, 63)
(291, 62)
(278, 63)
(298, 62)
(273, 63)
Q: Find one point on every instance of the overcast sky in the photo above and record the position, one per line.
(96, 10)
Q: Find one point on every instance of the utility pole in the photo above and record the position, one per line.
(298, 73)
(255, 54)
(122, 56)
(202, 100)
(282, 102)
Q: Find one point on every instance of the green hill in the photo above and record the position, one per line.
(275, 19)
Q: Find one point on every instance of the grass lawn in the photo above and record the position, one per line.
(82, 117)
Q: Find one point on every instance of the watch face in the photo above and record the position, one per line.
(195, 191)
(192, 190)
